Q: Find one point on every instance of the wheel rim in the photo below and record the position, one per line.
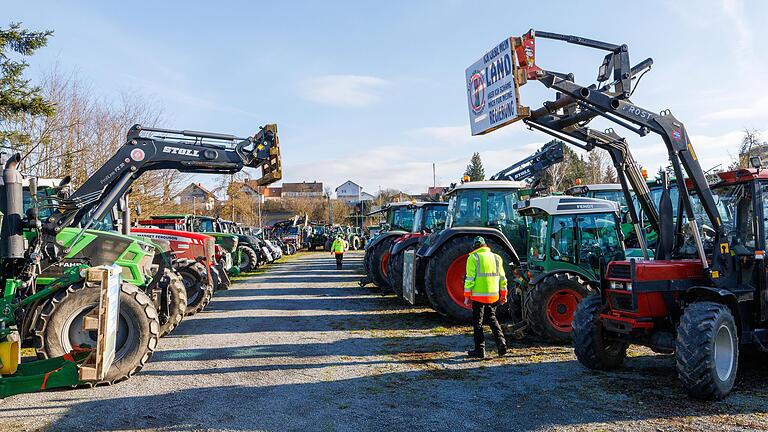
(384, 262)
(724, 353)
(190, 288)
(454, 280)
(560, 308)
(74, 335)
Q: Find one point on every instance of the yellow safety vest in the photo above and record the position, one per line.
(485, 280)
(338, 246)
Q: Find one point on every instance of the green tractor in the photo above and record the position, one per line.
(570, 241)
(399, 220)
(53, 323)
(481, 208)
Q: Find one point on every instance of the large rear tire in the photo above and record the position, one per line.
(707, 350)
(199, 292)
(590, 344)
(550, 305)
(378, 264)
(445, 274)
(248, 259)
(59, 327)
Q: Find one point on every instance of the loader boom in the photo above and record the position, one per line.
(149, 149)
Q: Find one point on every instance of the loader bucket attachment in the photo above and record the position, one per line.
(267, 155)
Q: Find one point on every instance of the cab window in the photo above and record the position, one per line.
(465, 209)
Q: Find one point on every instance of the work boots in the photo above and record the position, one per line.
(477, 353)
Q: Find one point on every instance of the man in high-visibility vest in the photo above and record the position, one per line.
(485, 286)
(337, 249)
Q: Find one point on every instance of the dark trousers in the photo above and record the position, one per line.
(339, 259)
(487, 311)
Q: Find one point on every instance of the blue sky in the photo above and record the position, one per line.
(374, 91)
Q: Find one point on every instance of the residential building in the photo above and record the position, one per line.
(198, 196)
(352, 193)
(252, 189)
(303, 189)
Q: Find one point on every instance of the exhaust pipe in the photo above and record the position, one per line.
(12, 207)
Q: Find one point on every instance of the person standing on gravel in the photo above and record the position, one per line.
(337, 248)
(485, 286)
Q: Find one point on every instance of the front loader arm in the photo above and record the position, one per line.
(149, 149)
(611, 101)
(532, 166)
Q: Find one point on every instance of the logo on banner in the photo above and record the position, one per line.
(477, 92)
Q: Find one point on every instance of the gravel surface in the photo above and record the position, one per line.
(302, 347)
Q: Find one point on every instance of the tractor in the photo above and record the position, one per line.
(704, 296)
(53, 321)
(570, 240)
(398, 221)
(481, 208)
(430, 218)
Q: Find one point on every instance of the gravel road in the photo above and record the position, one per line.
(302, 347)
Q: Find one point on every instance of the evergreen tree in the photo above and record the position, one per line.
(17, 95)
(475, 169)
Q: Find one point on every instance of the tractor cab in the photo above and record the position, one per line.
(488, 204)
(571, 233)
(570, 240)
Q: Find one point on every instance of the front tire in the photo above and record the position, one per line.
(199, 292)
(248, 259)
(550, 305)
(177, 302)
(59, 327)
(590, 344)
(707, 350)
(378, 262)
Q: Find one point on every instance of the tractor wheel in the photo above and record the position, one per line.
(59, 327)
(444, 283)
(199, 292)
(248, 259)
(177, 302)
(356, 243)
(379, 260)
(707, 350)
(550, 305)
(592, 348)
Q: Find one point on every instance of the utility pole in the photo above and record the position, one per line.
(330, 210)
(194, 205)
(232, 179)
(260, 197)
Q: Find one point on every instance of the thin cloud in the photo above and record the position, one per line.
(343, 90)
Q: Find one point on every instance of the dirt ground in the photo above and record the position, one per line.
(302, 347)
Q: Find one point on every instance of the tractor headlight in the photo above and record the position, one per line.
(621, 286)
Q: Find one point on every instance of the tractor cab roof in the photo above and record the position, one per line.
(490, 184)
(583, 189)
(742, 175)
(420, 204)
(565, 204)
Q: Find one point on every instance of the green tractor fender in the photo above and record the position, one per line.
(488, 233)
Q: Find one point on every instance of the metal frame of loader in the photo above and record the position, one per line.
(146, 149)
(701, 309)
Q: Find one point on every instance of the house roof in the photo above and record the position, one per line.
(303, 187)
(348, 181)
(197, 186)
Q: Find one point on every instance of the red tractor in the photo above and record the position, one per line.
(705, 295)
(195, 260)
